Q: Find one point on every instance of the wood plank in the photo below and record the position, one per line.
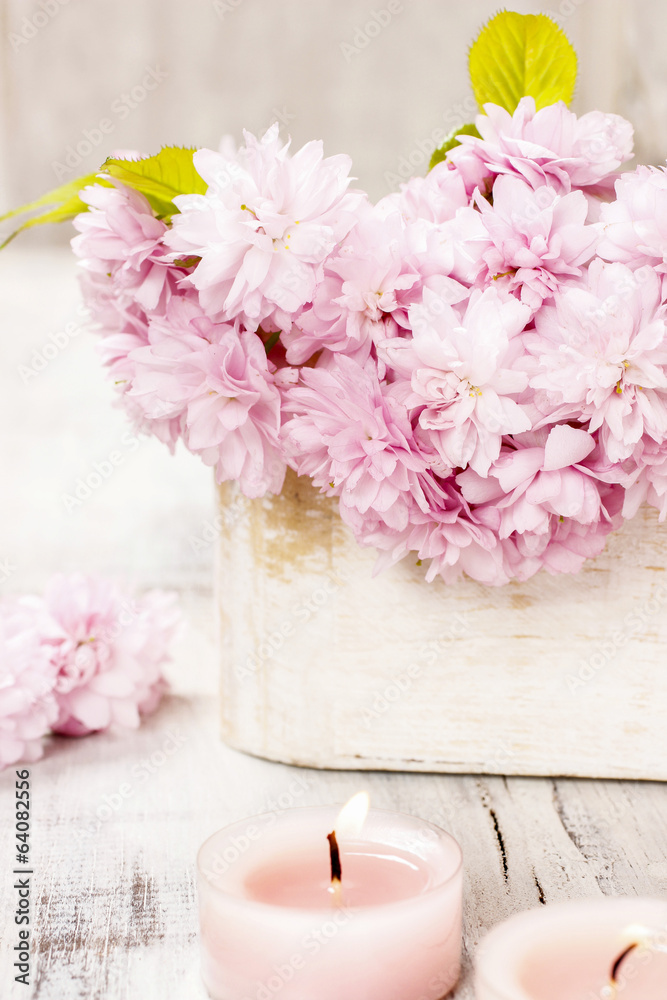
(325, 664)
(115, 908)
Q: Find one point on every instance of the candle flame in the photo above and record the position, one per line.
(352, 817)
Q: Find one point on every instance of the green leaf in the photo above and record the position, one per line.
(440, 154)
(519, 55)
(271, 341)
(159, 178)
(60, 205)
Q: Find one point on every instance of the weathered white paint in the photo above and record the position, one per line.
(325, 665)
(114, 911)
(114, 906)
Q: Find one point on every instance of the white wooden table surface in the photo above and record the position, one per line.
(114, 906)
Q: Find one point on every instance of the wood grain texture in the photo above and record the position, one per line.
(115, 907)
(326, 665)
(114, 897)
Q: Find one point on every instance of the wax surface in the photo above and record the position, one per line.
(272, 930)
(582, 971)
(568, 951)
(372, 874)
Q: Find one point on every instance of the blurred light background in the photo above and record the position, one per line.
(373, 78)
(377, 79)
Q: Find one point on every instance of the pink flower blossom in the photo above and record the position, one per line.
(354, 441)
(550, 146)
(462, 377)
(435, 198)
(446, 538)
(120, 236)
(602, 354)
(648, 480)
(363, 294)
(635, 224)
(28, 706)
(216, 381)
(527, 487)
(537, 237)
(264, 227)
(482, 393)
(108, 651)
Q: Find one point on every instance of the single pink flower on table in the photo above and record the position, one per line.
(263, 228)
(214, 379)
(538, 238)
(601, 350)
(108, 651)
(354, 441)
(458, 372)
(28, 705)
(550, 146)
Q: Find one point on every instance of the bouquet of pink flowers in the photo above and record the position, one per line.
(475, 366)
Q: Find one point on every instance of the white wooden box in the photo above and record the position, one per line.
(327, 666)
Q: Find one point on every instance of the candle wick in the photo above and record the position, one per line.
(336, 871)
(615, 969)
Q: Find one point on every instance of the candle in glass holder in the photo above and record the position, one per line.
(591, 949)
(274, 922)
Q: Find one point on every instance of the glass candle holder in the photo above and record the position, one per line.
(610, 949)
(271, 923)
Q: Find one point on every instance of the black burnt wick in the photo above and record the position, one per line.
(336, 872)
(619, 961)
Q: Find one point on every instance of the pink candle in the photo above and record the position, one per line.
(273, 925)
(600, 949)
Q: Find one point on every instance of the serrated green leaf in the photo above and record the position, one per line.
(519, 55)
(159, 178)
(451, 141)
(60, 205)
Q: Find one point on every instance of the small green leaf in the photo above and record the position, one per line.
(451, 141)
(271, 341)
(59, 205)
(187, 262)
(519, 55)
(159, 178)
